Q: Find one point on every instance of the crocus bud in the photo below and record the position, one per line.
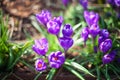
(104, 33)
(43, 17)
(40, 65)
(84, 3)
(40, 46)
(91, 18)
(94, 30)
(66, 42)
(100, 39)
(59, 20)
(106, 45)
(85, 33)
(53, 27)
(67, 30)
(107, 58)
(56, 59)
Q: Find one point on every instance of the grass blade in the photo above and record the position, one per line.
(51, 74)
(74, 72)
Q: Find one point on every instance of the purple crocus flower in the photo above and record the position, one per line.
(56, 59)
(85, 33)
(107, 58)
(94, 30)
(40, 65)
(65, 2)
(67, 30)
(106, 45)
(100, 39)
(59, 20)
(117, 2)
(84, 3)
(53, 27)
(104, 33)
(91, 17)
(66, 42)
(43, 17)
(40, 46)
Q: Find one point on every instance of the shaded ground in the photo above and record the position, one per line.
(19, 12)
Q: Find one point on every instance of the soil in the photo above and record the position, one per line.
(24, 73)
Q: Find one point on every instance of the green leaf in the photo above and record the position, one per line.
(51, 74)
(37, 76)
(76, 26)
(74, 72)
(26, 45)
(78, 66)
(11, 58)
(98, 73)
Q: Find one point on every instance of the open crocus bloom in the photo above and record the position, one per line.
(40, 46)
(43, 17)
(56, 59)
(40, 65)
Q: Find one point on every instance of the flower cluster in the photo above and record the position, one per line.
(56, 59)
(104, 42)
(53, 26)
(93, 27)
(66, 41)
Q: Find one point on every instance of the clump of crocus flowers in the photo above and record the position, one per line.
(41, 46)
(104, 42)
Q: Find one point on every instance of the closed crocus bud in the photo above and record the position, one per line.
(65, 2)
(40, 46)
(59, 20)
(107, 58)
(40, 65)
(106, 45)
(53, 27)
(43, 17)
(67, 30)
(100, 39)
(84, 3)
(94, 30)
(104, 33)
(117, 2)
(56, 59)
(85, 33)
(91, 18)
(66, 42)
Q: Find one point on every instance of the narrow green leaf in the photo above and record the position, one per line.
(76, 26)
(78, 66)
(11, 58)
(74, 72)
(26, 45)
(51, 74)
(27, 64)
(98, 73)
(38, 75)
